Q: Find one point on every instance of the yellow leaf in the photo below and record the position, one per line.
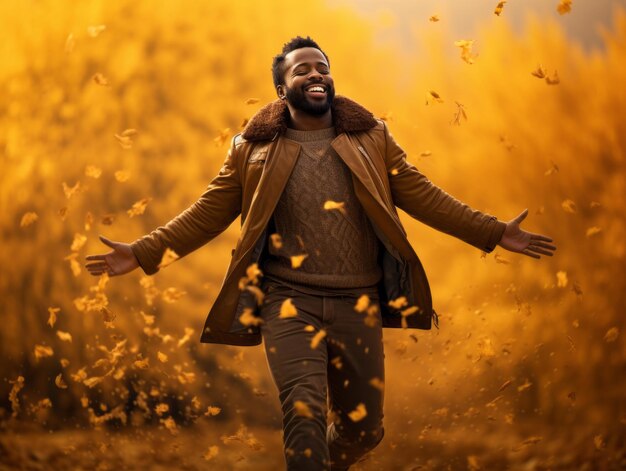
(212, 411)
(185, 338)
(70, 190)
(148, 319)
(554, 80)
(611, 335)
(359, 413)
(377, 383)
(398, 303)
(296, 260)
(466, 49)
(362, 303)
(317, 338)
(101, 80)
(436, 96)
(302, 409)
(593, 231)
(253, 273)
(561, 279)
(162, 357)
(539, 72)
(122, 175)
(287, 309)
(426, 153)
(107, 219)
(252, 101)
(93, 381)
(142, 364)
(52, 315)
(171, 295)
(94, 31)
(211, 453)
(222, 137)
(64, 336)
(338, 205)
(139, 207)
(70, 43)
(28, 219)
(499, 259)
(161, 408)
(277, 241)
(42, 351)
(169, 257)
(93, 171)
(564, 6)
(78, 242)
(170, 425)
(499, 8)
(59, 382)
(434, 18)
(247, 318)
(88, 220)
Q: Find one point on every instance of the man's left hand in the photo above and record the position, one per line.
(518, 240)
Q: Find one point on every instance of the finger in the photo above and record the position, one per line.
(95, 257)
(540, 237)
(96, 266)
(521, 216)
(538, 250)
(529, 253)
(108, 242)
(543, 245)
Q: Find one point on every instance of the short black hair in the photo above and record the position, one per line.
(295, 43)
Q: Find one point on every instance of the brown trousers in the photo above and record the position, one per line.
(344, 372)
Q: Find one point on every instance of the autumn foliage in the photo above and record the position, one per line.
(115, 115)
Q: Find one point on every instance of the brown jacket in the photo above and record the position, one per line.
(252, 179)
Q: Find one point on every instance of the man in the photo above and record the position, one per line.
(323, 262)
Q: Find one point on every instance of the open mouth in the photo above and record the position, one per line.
(316, 91)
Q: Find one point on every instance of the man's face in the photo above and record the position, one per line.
(308, 84)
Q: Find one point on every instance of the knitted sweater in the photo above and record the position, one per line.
(338, 244)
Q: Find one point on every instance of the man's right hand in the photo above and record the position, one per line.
(118, 262)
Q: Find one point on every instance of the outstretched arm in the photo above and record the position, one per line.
(528, 243)
(208, 217)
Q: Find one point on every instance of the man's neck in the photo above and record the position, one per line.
(302, 121)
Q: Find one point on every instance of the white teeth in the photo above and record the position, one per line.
(315, 89)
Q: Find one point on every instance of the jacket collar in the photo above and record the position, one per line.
(272, 119)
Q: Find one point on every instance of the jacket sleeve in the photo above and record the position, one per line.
(205, 219)
(421, 199)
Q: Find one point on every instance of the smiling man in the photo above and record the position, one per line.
(323, 262)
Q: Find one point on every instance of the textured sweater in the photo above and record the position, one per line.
(321, 222)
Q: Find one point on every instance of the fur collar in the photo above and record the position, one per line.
(348, 116)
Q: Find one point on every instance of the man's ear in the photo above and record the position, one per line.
(280, 91)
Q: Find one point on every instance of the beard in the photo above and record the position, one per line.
(297, 98)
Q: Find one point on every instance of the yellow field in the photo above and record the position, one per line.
(527, 369)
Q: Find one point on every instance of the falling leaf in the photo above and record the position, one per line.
(473, 464)
(108, 219)
(569, 206)
(309, 328)
(337, 363)
(377, 383)
(211, 453)
(169, 257)
(212, 411)
(107, 314)
(505, 385)
(42, 351)
(101, 80)
(460, 113)
(18, 384)
(302, 409)
(362, 303)
(296, 260)
(28, 219)
(247, 318)
(70, 190)
(527, 384)
(287, 309)
(561, 279)
(564, 6)
(52, 315)
(359, 413)
(93, 381)
(70, 43)
(78, 242)
(162, 357)
(59, 382)
(434, 18)
(398, 303)
(170, 425)
(88, 220)
(125, 138)
(317, 338)
(554, 80)
(64, 336)
(252, 101)
(598, 441)
(338, 205)
(611, 335)
(258, 294)
(426, 153)
(222, 137)
(388, 116)
(94, 31)
(185, 338)
(551, 170)
(161, 408)
(466, 50)
(434, 96)
(244, 122)
(253, 272)
(593, 231)
(540, 72)
(499, 8)
(142, 364)
(139, 207)
(93, 171)
(499, 259)
(394, 171)
(122, 175)
(277, 241)
(148, 319)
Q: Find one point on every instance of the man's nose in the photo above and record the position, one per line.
(315, 76)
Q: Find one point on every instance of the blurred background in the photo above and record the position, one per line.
(114, 117)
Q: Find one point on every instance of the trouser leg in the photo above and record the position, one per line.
(356, 381)
(299, 373)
